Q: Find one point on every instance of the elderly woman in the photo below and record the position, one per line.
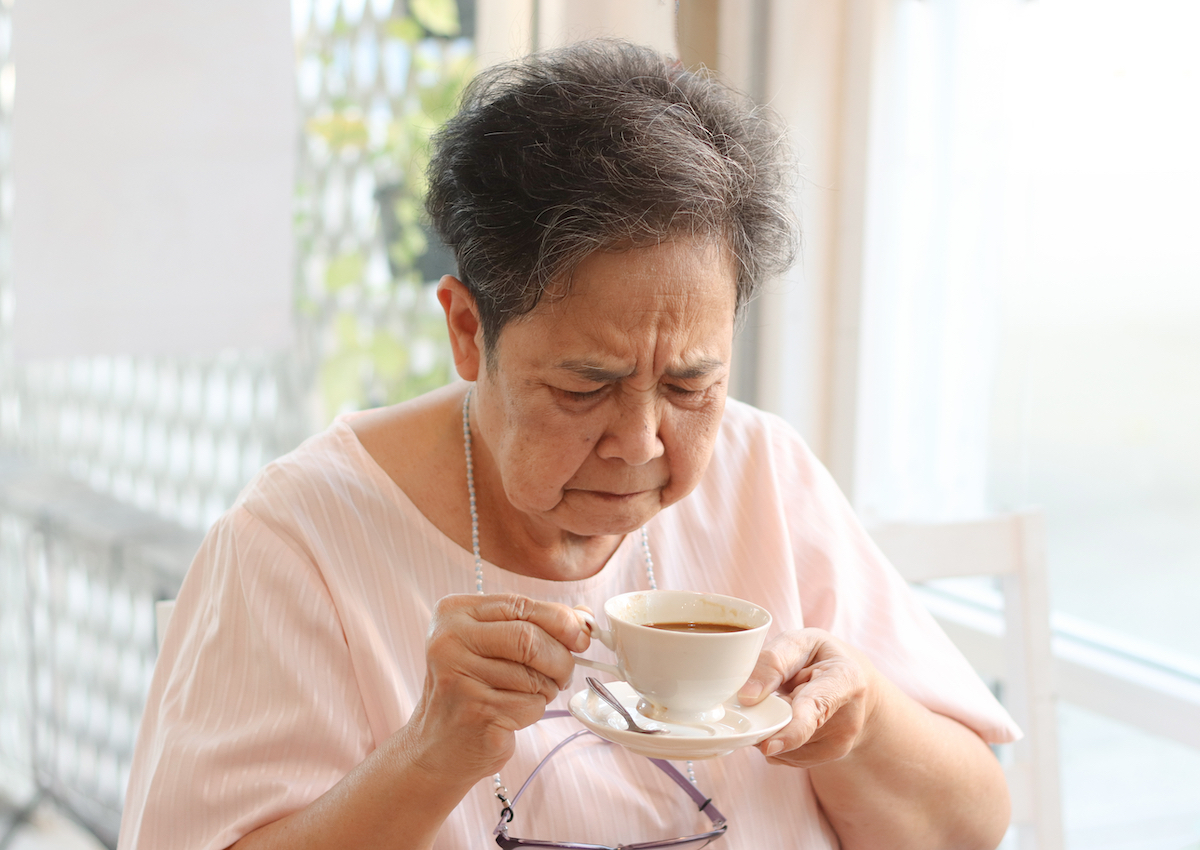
(365, 649)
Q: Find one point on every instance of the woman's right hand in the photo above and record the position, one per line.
(493, 664)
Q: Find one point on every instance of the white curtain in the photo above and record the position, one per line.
(935, 247)
(509, 29)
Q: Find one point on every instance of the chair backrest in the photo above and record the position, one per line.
(1011, 547)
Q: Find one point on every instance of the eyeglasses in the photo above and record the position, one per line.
(689, 842)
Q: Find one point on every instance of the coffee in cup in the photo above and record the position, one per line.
(684, 652)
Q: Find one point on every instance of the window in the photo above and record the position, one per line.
(1031, 333)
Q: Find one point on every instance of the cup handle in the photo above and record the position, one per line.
(605, 637)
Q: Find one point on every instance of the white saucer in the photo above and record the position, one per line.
(741, 726)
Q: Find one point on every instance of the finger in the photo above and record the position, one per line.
(502, 675)
(519, 710)
(780, 660)
(523, 643)
(475, 705)
(587, 622)
(558, 621)
(813, 705)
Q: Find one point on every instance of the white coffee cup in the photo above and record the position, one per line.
(681, 676)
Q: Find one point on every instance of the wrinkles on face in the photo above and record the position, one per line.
(604, 405)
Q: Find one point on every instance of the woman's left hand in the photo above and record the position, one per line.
(887, 771)
(832, 688)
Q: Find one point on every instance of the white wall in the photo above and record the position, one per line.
(153, 157)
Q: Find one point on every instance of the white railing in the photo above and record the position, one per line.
(110, 466)
(82, 572)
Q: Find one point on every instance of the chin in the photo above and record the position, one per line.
(608, 525)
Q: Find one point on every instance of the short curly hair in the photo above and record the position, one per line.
(603, 145)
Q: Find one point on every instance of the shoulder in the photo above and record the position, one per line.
(755, 443)
(761, 464)
(327, 483)
(744, 423)
(330, 464)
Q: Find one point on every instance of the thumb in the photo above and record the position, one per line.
(781, 659)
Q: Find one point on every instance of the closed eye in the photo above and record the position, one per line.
(580, 396)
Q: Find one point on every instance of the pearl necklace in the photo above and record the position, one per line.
(498, 785)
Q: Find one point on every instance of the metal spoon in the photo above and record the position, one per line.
(606, 695)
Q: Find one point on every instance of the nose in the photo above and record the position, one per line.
(632, 434)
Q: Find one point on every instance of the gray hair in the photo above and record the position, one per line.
(603, 145)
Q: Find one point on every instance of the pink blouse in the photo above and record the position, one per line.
(297, 647)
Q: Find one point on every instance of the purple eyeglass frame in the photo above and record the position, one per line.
(705, 804)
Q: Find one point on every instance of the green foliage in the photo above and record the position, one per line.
(343, 271)
(367, 368)
(408, 247)
(364, 366)
(389, 357)
(341, 371)
(439, 98)
(340, 130)
(404, 29)
(440, 17)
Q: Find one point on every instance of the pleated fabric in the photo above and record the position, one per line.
(297, 647)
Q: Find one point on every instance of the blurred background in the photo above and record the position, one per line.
(211, 243)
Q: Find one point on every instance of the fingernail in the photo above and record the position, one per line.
(774, 747)
(585, 632)
(750, 690)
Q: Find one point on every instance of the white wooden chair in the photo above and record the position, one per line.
(1012, 644)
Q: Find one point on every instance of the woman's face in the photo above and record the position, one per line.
(602, 408)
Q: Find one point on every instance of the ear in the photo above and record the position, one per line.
(462, 321)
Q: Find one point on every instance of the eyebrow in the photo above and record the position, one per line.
(701, 368)
(593, 372)
(600, 375)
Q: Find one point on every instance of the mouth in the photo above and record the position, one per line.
(617, 497)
